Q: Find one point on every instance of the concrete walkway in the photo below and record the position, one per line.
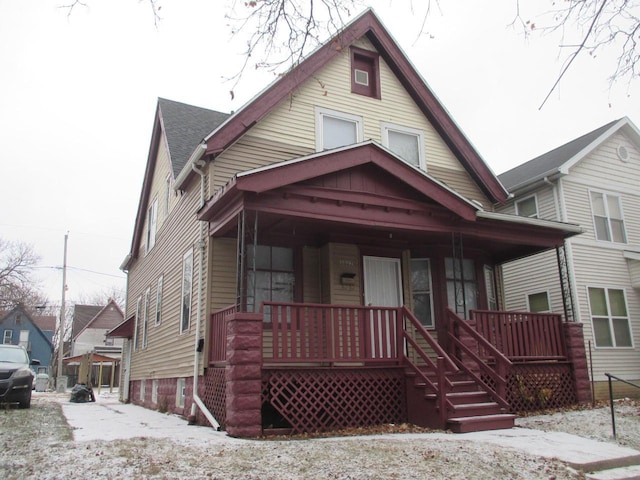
(108, 419)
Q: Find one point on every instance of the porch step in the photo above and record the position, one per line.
(478, 423)
(458, 398)
(476, 409)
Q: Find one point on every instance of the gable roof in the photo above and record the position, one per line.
(558, 160)
(48, 321)
(86, 316)
(367, 24)
(185, 126)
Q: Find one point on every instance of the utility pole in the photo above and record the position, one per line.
(61, 381)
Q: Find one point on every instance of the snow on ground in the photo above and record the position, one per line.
(107, 439)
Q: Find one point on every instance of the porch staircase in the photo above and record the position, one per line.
(468, 407)
(462, 393)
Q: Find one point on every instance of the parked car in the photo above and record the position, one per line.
(16, 377)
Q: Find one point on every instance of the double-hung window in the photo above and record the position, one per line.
(609, 317)
(421, 291)
(336, 129)
(407, 143)
(607, 217)
(152, 223)
(159, 301)
(8, 337)
(271, 278)
(145, 317)
(187, 287)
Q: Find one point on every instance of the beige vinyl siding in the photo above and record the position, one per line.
(289, 130)
(223, 272)
(179, 233)
(312, 290)
(344, 258)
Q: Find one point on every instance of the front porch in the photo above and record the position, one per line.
(294, 368)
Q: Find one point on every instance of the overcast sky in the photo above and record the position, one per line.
(78, 95)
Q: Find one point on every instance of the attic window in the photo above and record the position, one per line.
(365, 73)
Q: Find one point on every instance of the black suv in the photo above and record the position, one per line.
(16, 378)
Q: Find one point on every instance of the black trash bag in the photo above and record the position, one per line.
(80, 393)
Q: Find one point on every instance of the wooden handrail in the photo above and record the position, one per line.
(502, 364)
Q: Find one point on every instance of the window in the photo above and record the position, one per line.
(137, 325)
(8, 337)
(273, 279)
(336, 129)
(180, 392)
(24, 340)
(159, 301)
(538, 302)
(607, 217)
(142, 389)
(365, 73)
(407, 143)
(145, 317)
(422, 293)
(152, 222)
(527, 207)
(490, 286)
(187, 286)
(154, 391)
(461, 285)
(609, 317)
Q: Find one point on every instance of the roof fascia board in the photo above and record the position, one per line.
(433, 109)
(156, 135)
(569, 228)
(566, 166)
(367, 24)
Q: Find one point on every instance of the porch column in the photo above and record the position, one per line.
(576, 354)
(244, 375)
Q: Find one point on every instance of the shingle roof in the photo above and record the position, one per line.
(82, 315)
(45, 322)
(185, 127)
(551, 161)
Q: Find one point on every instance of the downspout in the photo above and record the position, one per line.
(196, 165)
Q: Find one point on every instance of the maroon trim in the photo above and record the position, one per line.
(288, 174)
(158, 131)
(371, 64)
(369, 25)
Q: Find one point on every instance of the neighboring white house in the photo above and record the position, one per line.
(90, 325)
(593, 181)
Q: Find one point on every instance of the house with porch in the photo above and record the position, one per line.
(328, 256)
(591, 180)
(89, 326)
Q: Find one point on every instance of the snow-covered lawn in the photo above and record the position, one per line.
(107, 439)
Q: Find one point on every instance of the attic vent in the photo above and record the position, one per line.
(362, 77)
(623, 153)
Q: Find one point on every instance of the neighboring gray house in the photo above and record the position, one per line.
(593, 181)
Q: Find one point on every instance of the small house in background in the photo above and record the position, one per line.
(33, 332)
(593, 180)
(90, 324)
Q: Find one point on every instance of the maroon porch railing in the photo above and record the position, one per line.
(522, 336)
(479, 358)
(320, 333)
(218, 335)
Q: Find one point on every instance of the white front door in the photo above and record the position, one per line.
(382, 288)
(382, 282)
